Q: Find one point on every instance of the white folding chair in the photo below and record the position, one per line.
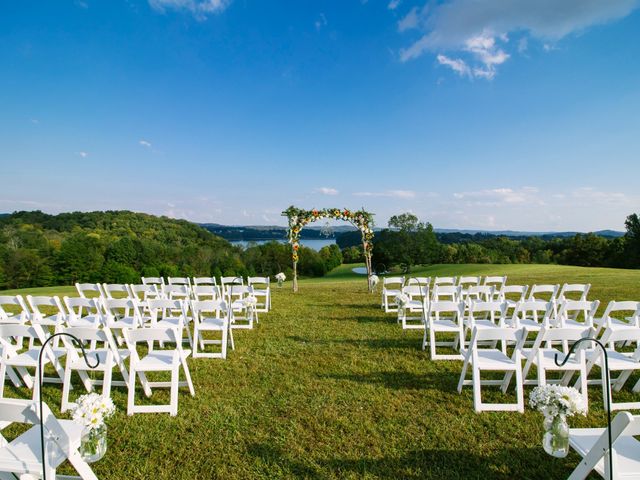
(484, 293)
(577, 313)
(624, 361)
(176, 292)
(539, 292)
(570, 291)
(47, 323)
(465, 282)
(82, 312)
(543, 354)
(98, 346)
(116, 290)
(179, 281)
(144, 292)
(18, 357)
(205, 281)
(413, 315)
(441, 281)
(262, 291)
(513, 294)
(493, 360)
(121, 313)
(444, 317)
(160, 359)
(452, 293)
(211, 316)
(243, 314)
(167, 313)
(226, 281)
(89, 290)
(483, 314)
(391, 287)
(205, 292)
(592, 444)
(157, 281)
(619, 315)
(495, 281)
(532, 315)
(22, 457)
(13, 309)
(420, 281)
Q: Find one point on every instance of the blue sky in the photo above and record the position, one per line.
(485, 114)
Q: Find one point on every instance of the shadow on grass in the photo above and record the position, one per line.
(403, 380)
(427, 463)
(376, 343)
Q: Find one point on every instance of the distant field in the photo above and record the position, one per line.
(327, 386)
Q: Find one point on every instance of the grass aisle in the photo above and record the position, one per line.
(327, 386)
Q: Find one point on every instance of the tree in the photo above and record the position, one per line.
(405, 222)
(632, 241)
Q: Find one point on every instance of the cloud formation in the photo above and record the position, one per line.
(326, 191)
(388, 193)
(480, 29)
(200, 9)
(393, 4)
(144, 143)
(321, 22)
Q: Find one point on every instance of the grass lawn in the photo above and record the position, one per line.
(328, 386)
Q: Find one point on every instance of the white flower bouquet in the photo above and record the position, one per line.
(374, 280)
(554, 400)
(280, 277)
(250, 301)
(557, 403)
(91, 411)
(402, 300)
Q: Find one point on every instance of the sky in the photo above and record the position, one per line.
(471, 114)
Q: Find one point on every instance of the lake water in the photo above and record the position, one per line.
(314, 243)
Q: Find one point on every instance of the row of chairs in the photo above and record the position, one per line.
(112, 329)
(490, 288)
(182, 287)
(511, 323)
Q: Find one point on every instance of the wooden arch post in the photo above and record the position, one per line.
(360, 219)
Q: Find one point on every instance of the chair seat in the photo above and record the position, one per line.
(24, 454)
(530, 324)
(483, 324)
(159, 360)
(444, 325)
(28, 358)
(548, 360)
(627, 450)
(212, 323)
(391, 292)
(618, 360)
(124, 322)
(13, 319)
(492, 359)
(86, 321)
(260, 292)
(101, 353)
(570, 323)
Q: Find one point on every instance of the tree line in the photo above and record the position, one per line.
(37, 249)
(409, 242)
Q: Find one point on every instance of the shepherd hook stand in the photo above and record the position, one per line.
(608, 388)
(40, 382)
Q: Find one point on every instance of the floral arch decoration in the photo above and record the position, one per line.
(298, 218)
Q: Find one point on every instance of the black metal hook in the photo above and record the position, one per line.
(608, 388)
(41, 381)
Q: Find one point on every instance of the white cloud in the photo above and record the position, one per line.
(83, 154)
(35, 121)
(496, 197)
(144, 143)
(388, 193)
(475, 26)
(457, 65)
(326, 191)
(200, 9)
(411, 20)
(321, 22)
(393, 4)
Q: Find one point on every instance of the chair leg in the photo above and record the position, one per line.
(519, 389)
(463, 374)
(132, 390)
(477, 395)
(175, 374)
(66, 383)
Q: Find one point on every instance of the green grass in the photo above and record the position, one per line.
(327, 386)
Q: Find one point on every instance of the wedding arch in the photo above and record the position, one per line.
(298, 218)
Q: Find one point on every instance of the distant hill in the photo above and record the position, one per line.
(275, 232)
(270, 232)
